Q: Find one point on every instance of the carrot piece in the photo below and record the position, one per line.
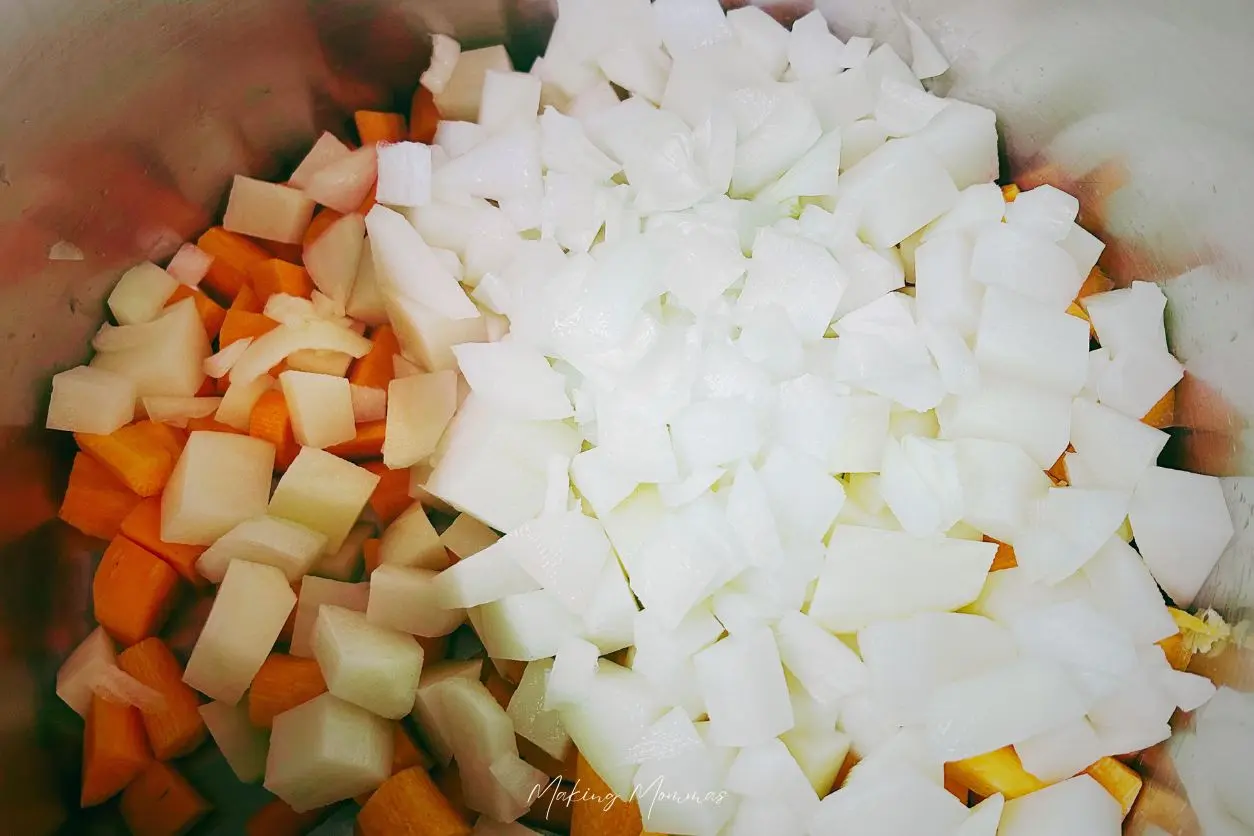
(289, 626)
(1177, 651)
(246, 300)
(271, 421)
(292, 253)
(143, 525)
(142, 455)
(277, 276)
(211, 313)
(370, 200)
(376, 126)
(1078, 312)
(423, 116)
(434, 648)
(955, 788)
(405, 753)
(283, 682)
(208, 388)
(114, 750)
(391, 495)
(132, 591)
(160, 802)
(210, 424)
(604, 819)
(375, 369)
(1118, 779)
(176, 728)
(232, 256)
(1162, 414)
(1005, 557)
(325, 217)
(999, 771)
(551, 813)
(497, 686)
(367, 444)
(1009, 192)
(1057, 472)
(1095, 282)
(241, 324)
(370, 555)
(96, 502)
(278, 819)
(410, 804)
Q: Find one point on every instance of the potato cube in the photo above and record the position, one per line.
(411, 540)
(327, 750)
(321, 406)
(140, 294)
(314, 593)
(323, 492)
(290, 547)
(419, 408)
(91, 400)
(248, 614)
(467, 536)
(162, 357)
(367, 665)
(402, 598)
(267, 210)
(242, 744)
(221, 479)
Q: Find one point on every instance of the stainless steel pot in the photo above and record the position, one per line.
(122, 121)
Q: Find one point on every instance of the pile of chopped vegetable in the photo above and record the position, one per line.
(692, 418)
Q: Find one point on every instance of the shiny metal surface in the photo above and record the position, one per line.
(121, 121)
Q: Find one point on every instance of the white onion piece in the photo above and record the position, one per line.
(925, 59)
(369, 403)
(217, 365)
(444, 55)
(177, 411)
(268, 350)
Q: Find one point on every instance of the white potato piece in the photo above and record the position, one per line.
(333, 257)
(189, 265)
(327, 750)
(320, 361)
(532, 720)
(407, 268)
(411, 540)
(466, 536)
(248, 614)
(366, 303)
(323, 492)
(419, 408)
(220, 480)
(819, 752)
(404, 174)
(402, 598)
(162, 357)
(236, 407)
(321, 406)
(243, 745)
(365, 664)
(344, 183)
(326, 150)
(459, 98)
(289, 547)
(86, 399)
(140, 294)
(424, 714)
(267, 210)
(81, 669)
(1077, 805)
(314, 593)
(429, 337)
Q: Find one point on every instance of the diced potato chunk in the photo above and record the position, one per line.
(314, 593)
(221, 479)
(419, 408)
(242, 744)
(424, 704)
(370, 666)
(267, 210)
(140, 294)
(90, 400)
(323, 492)
(327, 750)
(401, 598)
(321, 406)
(467, 536)
(247, 616)
(162, 357)
(411, 540)
(290, 547)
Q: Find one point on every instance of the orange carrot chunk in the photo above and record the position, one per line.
(1118, 779)
(271, 421)
(96, 502)
(242, 324)
(142, 455)
(595, 819)
(132, 591)
(114, 750)
(375, 369)
(1005, 557)
(1095, 282)
(282, 683)
(375, 126)
(325, 217)
(367, 444)
(176, 727)
(211, 313)
(211, 424)
(1177, 651)
(143, 525)
(410, 804)
(1009, 192)
(423, 116)
(246, 300)
(232, 256)
(391, 495)
(291, 253)
(278, 819)
(369, 200)
(160, 802)
(370, 554)
(1162, 414)
(277, 276)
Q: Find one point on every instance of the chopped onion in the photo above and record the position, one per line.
(177, 411)
(369, 403)
(270, 349)
(219, 364)
(64, 251)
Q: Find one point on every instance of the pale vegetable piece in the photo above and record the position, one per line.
(945, 294)
(714, 432)
(1025, 263)
(81, 669)
(900, 187)
(217, 365)
(1182, 526)
(515, 379)
(1135, 380)
(65, 251)
(140, 294)
(920, 484)
(812, 48)
(1123, 588)
(1023, 340)
(903, 109)
(466, 536)
(1094, 648)
(563, 553)
(1077, 805)
(742, 681)
(243, 746)
(237, 404)
(762, 36)
(697, 773)
(412, 541)
(248, 614)
(459, 96)
(488, 576)
(444, 55)
(670, 737)
(402, 598)
(405, 266)
(419, 408)
(532, 720)
(318, 361)
(984, 818)
(819, 752)
(861, 423)
(799, 275)
(822, 663)
(898, 801)
(1068, 528)
(925, 59)
(343, 563)
(344, 183)
(404, 174)
(267, 210)
(1045, 211)
(178, 411)
(1000, 487)
(326, 750)
(1036, 420)
(365, 664)
(220, 480)
(369, 404)
(871, 575)
(1117, 450)
(270, 349)
(429, 337)
(1129, 319)
(316, 592)
(366, 303)
(574, 668)
(323, 492)
(162, 357)
(289, 547)
(321, 406)
(1060, 753)
(424, 704)
(510, 100)
(326, 150)
(333, 257)
(1001, 707)
(86, 399)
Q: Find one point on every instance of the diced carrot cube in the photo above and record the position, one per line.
(246, 300)
(1118, 779)
(1095, 282)
(96, 502)
(242, 324)
(143, 525)
(271, 421)
(160, 802)
(602, 819)
(368, 443)
(1005, 557)
(210, 424)
(1177, 651)
(391, 496)
(232, 255)
(325, 217)
(142, 455)
(282, 683)
(955, 788)
(375, 126)
(176, 728)
(115, 750)
(370, 556)
(405, 753)
(1057, 472)
(1009, 192)
(423, 116)
(211, 313)
(369, 200)
(277, 276)
(291, 253)
(1162, 414)
(410, 803)
(278, 819)
(375, 369)
(132, 591)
